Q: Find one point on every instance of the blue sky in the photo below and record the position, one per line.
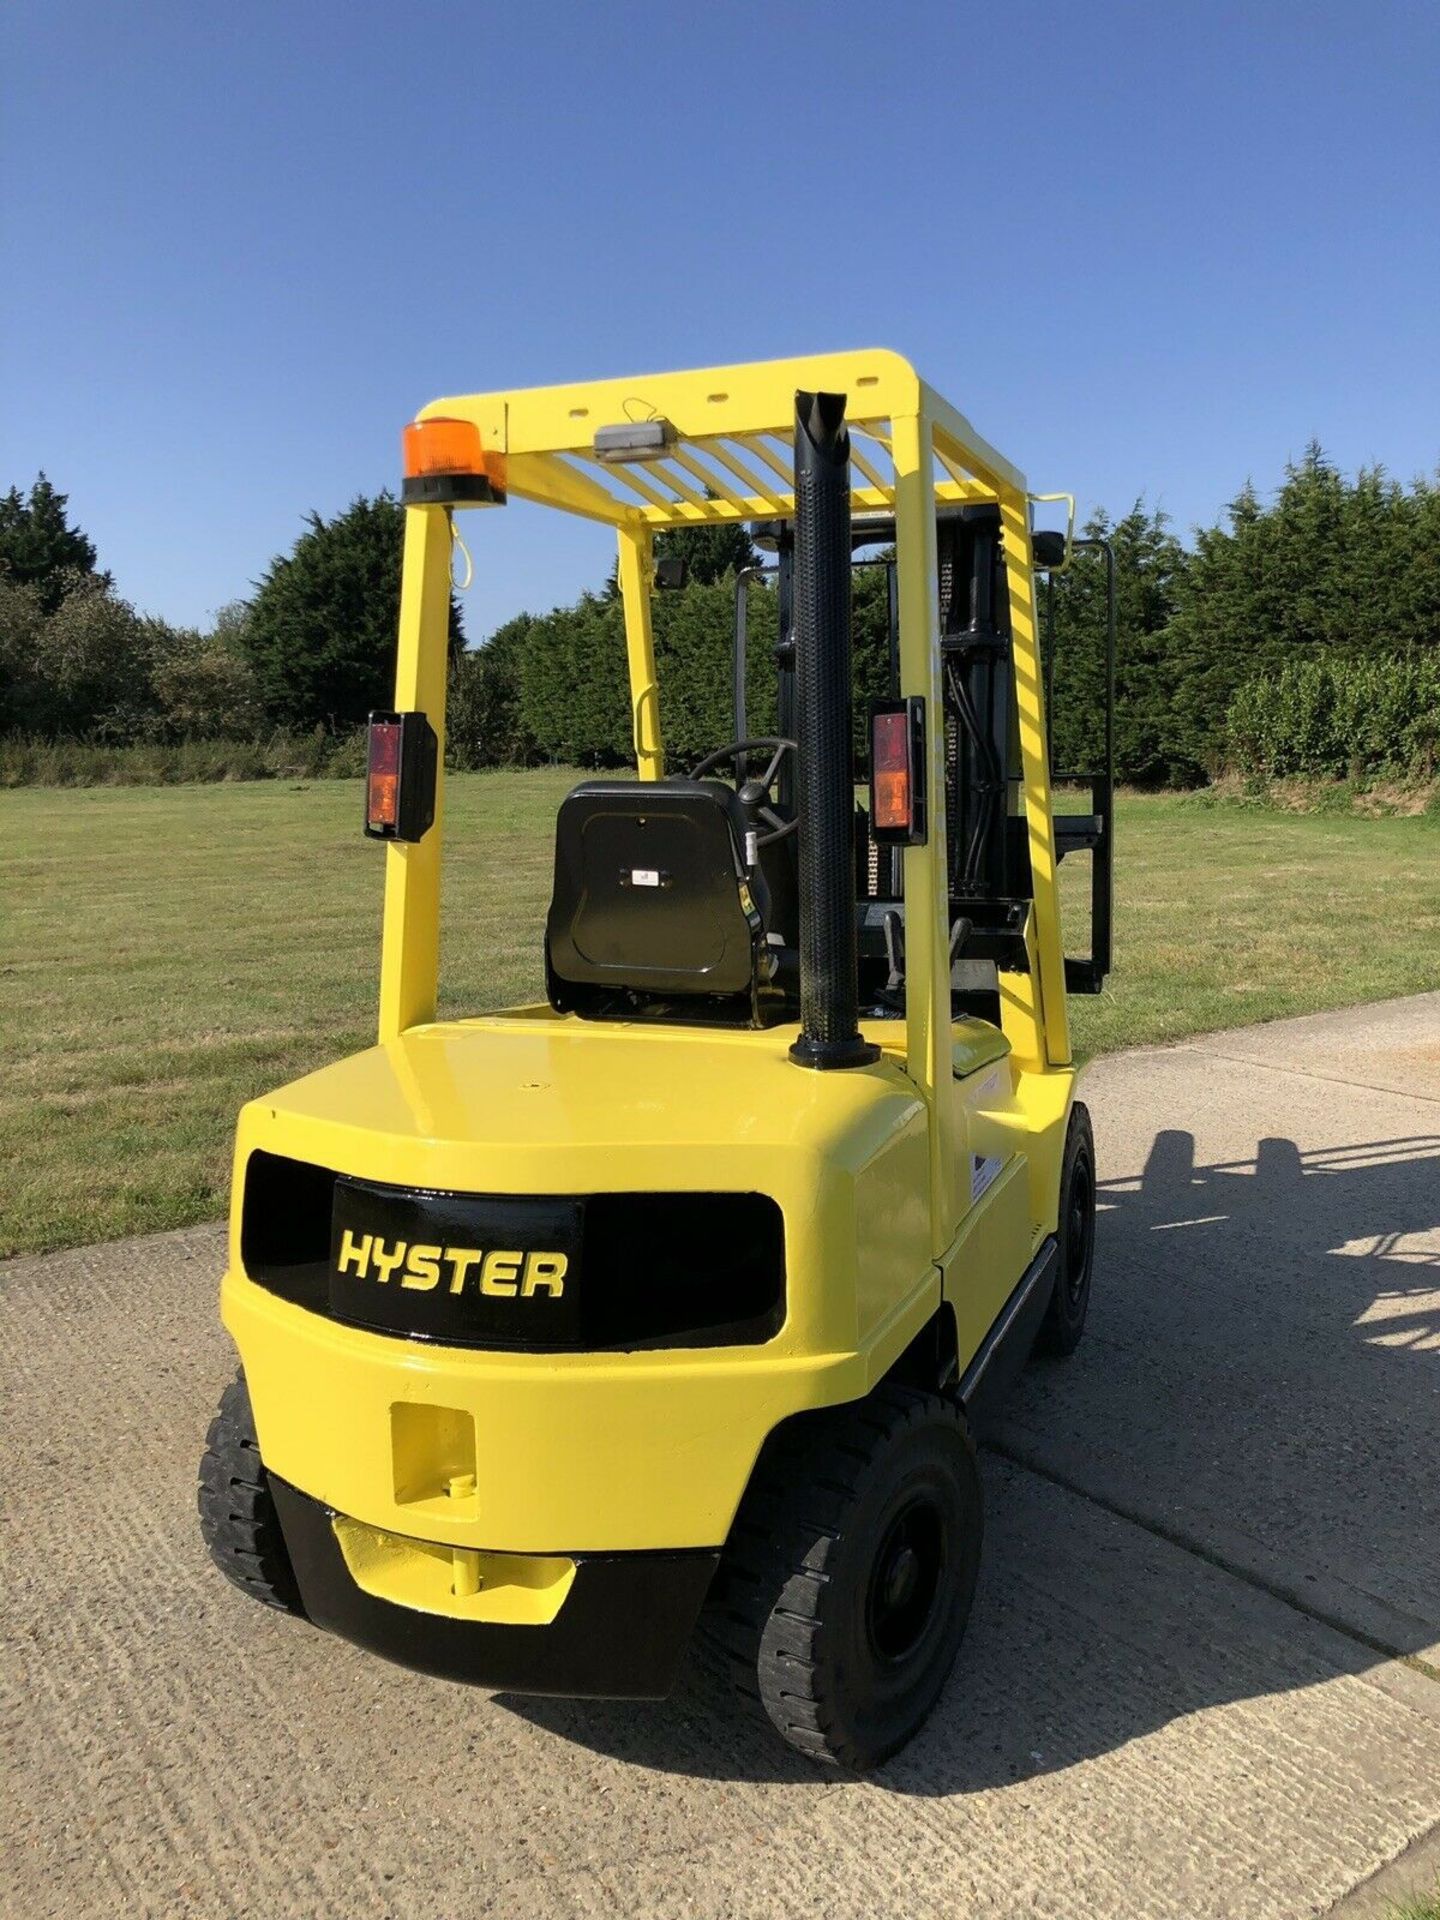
(1149, 248)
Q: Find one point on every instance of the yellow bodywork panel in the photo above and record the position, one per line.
(734, 455)
(576, 1452)
(410, 954)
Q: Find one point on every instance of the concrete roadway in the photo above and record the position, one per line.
(1202, 1678)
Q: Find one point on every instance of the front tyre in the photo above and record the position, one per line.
(1064, 1320)
(850, 1572)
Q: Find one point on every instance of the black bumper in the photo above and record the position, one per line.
(619, 1635)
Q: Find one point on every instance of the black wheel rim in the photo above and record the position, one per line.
(906, 1578)
(1079, 1230)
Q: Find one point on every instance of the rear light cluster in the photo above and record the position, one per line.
(400, 777)
(897, 772)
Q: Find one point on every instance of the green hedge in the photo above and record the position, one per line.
(574, 696)
(1337, 716)
(28, 762)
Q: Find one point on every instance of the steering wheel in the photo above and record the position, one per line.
(752, 791)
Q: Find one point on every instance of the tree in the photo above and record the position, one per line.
(574, 685)
(22, 624)
(1150, 568)
(89, 672)
(709, 552)
(1351, 567)
(574, 694)
(320, 635)
(39, 547)
(483, 724)
(202, 683)
(574, 680)
(695, 664)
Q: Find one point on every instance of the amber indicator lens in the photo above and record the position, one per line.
(890, 770)
(382, 777)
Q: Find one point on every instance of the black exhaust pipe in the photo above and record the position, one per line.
(824, 766)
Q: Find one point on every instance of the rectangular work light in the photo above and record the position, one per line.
(447, 465)
(634, 442)
(897, 772)
(400, 777)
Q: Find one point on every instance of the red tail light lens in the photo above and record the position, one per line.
(897, 772)
(890, 772)
(382, 777)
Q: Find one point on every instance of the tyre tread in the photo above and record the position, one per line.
(1058, 1335)
(238, 1520)
(794, 1514)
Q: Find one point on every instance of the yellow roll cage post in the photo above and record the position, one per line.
(545, 1313)
(732, 460)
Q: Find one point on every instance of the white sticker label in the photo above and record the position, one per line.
(644, 877)
(982, 1173)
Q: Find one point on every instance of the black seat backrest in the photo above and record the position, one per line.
(651, 895)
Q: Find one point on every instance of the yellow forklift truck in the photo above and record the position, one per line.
(679, 1295)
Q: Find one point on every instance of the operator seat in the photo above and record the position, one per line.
(652, 904)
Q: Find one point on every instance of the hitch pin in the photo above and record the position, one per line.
(464, 1561)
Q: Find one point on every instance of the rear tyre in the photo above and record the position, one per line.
(850, 1571)
(1064, 1321)
(237, 1512)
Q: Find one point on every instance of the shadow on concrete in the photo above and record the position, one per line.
(1374, 1206)
(1228, 1492)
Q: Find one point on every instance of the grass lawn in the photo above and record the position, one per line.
(165, 953)
(1420, 1906)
